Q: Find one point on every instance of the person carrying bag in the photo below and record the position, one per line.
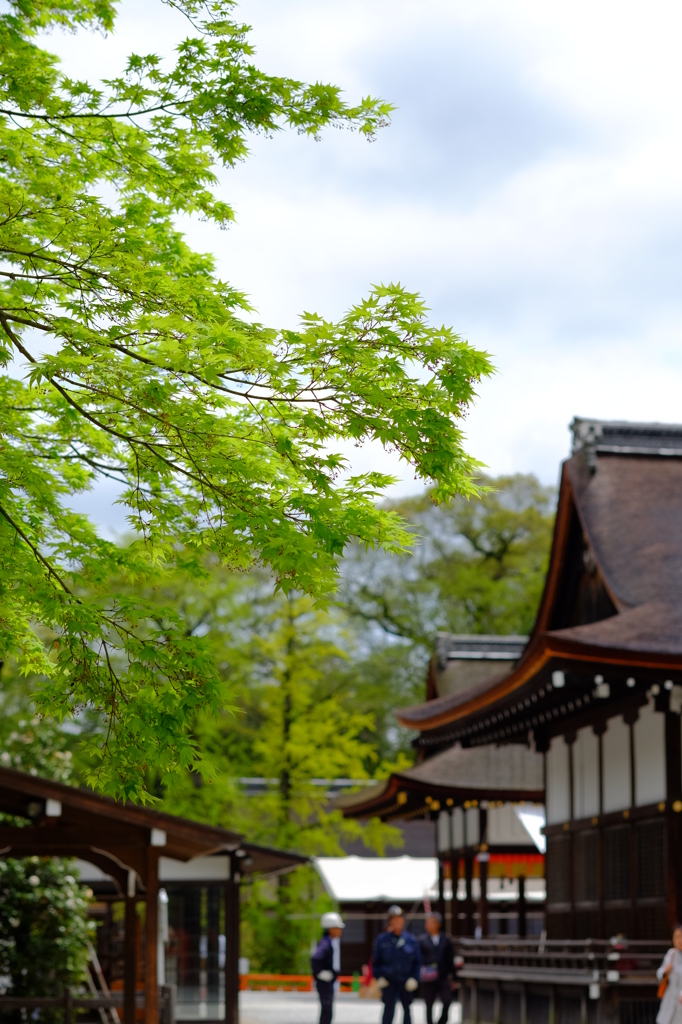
(669, 975)
(438, 967)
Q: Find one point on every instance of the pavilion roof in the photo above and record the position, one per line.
(458, 775)
(67, 821)
(613, 594)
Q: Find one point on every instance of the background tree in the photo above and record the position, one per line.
(44, 930)
(143, 367)
(476, 567)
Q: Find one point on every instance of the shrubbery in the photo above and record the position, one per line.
(44, 930)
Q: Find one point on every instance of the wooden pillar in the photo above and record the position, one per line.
(442, 874)
(483, 905)
(232, 898)
(130, 952)
(151, 988)
(599, 728)
(522, 907)
(469, 901)
(673, 757)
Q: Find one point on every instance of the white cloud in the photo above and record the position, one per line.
(530, 186)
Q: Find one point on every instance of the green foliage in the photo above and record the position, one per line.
(280, 920)
(144, 368)
(28, 742)
(284, 661)
(44, 931)
(478, 567)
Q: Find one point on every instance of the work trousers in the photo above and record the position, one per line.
(432, 990)
(391, 995)
(325, 990)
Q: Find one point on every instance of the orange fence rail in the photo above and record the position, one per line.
(292, 982)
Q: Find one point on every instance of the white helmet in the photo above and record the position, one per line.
(331, 920)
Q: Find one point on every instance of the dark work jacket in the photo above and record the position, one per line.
(396, 958)
(323, 960)
(441, 956)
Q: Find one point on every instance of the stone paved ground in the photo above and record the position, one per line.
(303, 1008)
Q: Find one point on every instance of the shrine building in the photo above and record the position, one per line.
(597, 691)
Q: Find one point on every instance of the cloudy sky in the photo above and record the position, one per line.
(529, 186)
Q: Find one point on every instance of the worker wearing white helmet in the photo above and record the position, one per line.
(326, 963)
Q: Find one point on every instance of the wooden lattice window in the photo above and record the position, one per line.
(558, 867)
(586, 861)
(617, 863)
(651, 860)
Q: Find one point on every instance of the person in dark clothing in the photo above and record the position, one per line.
(395, 965)
(326, 963)
(438, 967)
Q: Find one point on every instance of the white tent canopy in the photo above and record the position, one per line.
(349, 879)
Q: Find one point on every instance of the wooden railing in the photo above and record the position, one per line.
(69, 1002)
(292, 982)
(592, 961)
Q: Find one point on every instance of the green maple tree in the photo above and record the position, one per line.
(126, 358)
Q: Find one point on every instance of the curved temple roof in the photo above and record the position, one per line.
(613, 593)
(481, 773)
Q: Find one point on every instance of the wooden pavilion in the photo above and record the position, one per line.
(598, 689)
(132, 847)
(489, 862)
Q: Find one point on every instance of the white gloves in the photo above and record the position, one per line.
(411, 984)
(382, 983)
(326, 976)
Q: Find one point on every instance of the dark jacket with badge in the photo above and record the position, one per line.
(323, 957)
(323, 960)
(440, 955)
(396, 958)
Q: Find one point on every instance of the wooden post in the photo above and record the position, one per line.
(522, 907)
(130, 952)
(469, 902)
(232, 898)
(483, 906)
(151, 994)
(673, 750)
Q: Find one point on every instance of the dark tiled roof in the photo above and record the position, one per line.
(624, 481)
(514, 768)
(513, 772)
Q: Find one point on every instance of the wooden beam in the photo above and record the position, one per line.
(130, 952)
(522, 907)
(151, 1001)
(232, 901)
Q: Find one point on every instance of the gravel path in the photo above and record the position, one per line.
(303, 1008)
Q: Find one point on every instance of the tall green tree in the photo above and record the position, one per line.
(126, 358)
(475, 567)
(284, 662)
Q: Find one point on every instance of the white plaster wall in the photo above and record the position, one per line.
(505, 827)
(616, 765)
(443, 831)
(558, 793)
(586, 774)
(649, 756)
(458, 828)
(473, 832)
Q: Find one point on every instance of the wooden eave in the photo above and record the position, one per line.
(116, 837)
(389, 804)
